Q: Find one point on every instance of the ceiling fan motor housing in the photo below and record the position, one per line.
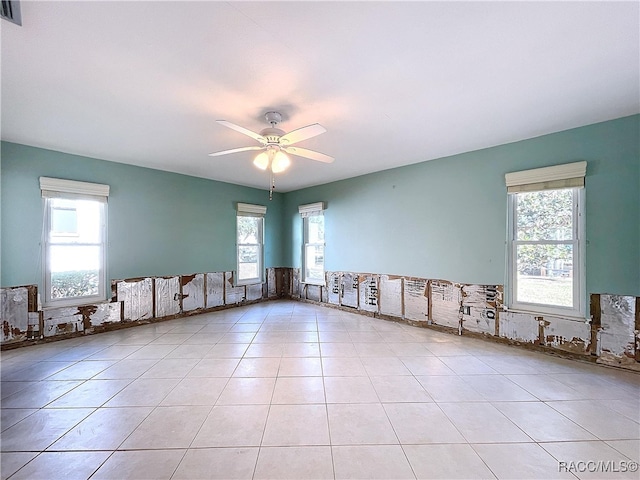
(272, 135)
(273, 118)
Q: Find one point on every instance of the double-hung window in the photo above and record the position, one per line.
(546, 240)
(74, 241)
(313, 255)
(250, 243)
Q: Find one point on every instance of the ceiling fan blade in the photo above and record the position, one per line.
(234, 150)
(302, 134)
(313, 155)
(243, 130)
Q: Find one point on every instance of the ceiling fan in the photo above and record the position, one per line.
(275, 144)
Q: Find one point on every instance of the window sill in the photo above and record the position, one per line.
(246, 283)
(75, 303)
(540, 313)
(319, 284)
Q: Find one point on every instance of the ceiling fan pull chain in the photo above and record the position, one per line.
(273, 186)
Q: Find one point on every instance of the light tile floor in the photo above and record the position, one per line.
(291, 390)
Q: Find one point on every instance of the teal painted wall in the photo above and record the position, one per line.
(160, 223)
(446, 218)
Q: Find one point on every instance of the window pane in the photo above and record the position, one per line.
(75, 271)
(314, 262)
(545, 274)
(249, 230)
(316, 229)
(248, 262)
(545, 215)
(64, 221)
(75, 221)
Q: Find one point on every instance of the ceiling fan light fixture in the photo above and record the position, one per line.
(274, 142)
(280, 162)
(261, 161)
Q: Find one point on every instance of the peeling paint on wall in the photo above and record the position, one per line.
(232, 294)
(137, 296)
(215, 290)
(416, 299)
(368, 289)
(192, 291)
(446, 298)
(391, 296)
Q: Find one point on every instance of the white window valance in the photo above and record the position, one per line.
(251, 210)
(56, 187)
(567, 175)
(311, 209)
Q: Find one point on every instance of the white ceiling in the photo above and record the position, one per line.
(394, 83)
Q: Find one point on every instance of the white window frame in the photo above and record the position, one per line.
(255, 211)
(569, 176)
(52, 188)
(307, 211)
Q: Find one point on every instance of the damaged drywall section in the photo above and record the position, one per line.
(446, 303)
(521, 327)
(214, 290)
(279, 283)
(368, 292)
(617, 336)
(313, 292)
(334, 280)
(65, 321)
(100, 314)
(295, 283)
(19, 313)
(349, 290)
(391, 297)
(416, 299)
(571, 335)
(192, 291)
(62, 321)
(166, 296)
(480, 307)
(137, 296)
(233, 294)
(254, 292)
(611, 336)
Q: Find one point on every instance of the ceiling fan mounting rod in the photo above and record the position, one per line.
(273, 118)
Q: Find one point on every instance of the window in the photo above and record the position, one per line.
(74, 245)
(313, 255)
(250, 226)
(546, 243)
